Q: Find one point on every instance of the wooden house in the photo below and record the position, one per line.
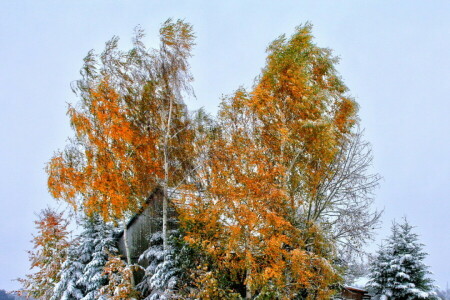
(352, 293)
(145, 222)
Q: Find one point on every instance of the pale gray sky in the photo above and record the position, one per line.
(394, 57)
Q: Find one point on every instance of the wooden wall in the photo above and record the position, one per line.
(142, 226)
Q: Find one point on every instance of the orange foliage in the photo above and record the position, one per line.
(131, 126)
(119, 280)
(246, 223)
(49, 253)
(113, 163)
(272, 150)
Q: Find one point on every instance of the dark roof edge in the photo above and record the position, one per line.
(350, 288)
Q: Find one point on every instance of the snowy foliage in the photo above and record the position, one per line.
(163, 270)
(398, 271)
(119, 284)
(99, 236)
(82, 274)
(71, 272)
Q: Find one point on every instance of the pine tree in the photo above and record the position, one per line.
(97, 243)
(71, 272)
(163, 271)
(82, 274)
(398, 271)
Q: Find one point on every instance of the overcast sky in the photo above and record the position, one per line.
(395, 59)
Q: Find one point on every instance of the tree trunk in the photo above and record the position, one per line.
(248, 291)
(248, 272)
(166, 175)
(127, 251)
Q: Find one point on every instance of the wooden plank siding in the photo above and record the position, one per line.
(146, 222)
(351, 293)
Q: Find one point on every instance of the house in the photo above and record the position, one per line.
(148, 220)
(348, 293)
(145, 222)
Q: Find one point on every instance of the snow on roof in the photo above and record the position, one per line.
(361, 282)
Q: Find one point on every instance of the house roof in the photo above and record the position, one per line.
(353, 289)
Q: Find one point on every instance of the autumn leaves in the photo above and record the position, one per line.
(252, 178)
(270, 154)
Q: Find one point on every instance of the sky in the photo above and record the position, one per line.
(394, 58)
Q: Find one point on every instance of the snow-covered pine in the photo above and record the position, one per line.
(163, 271)
(398, 271)
(71, 271)
(97, 243)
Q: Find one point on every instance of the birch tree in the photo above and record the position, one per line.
(243, 219)
(131, 127)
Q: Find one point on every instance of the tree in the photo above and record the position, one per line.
(308, 123)
(82, 274)
(398, 271)
(5, 296)
(71, 271)
(96, 244)
(444, 294)
(284, 170)
(131, 128)
(119, 280)
(269, 189)
(243, 218)
(50, 245)
(163, 273)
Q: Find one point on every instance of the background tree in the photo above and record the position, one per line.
(50, 245)
(443, 294)
(5, 296)
(398, 272)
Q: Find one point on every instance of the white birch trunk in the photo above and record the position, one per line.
(166, 176)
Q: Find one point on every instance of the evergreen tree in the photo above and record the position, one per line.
(71, 272)
(82, 274)
(398, 271)
(163, 270)
(98, 242)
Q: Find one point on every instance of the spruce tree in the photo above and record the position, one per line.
(163, 270)
(398, 271)
(71, 272)
(82, 274)
(98, 241)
